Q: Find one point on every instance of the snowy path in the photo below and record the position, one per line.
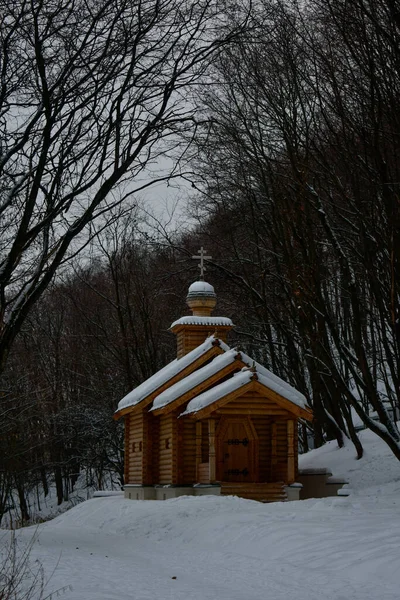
(224, 548)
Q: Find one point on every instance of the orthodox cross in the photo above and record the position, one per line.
(202, 258)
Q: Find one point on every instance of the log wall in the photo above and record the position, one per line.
(165, 448)
(253, 404)
(204, 442)
(133, 448)
(262, 425)
(189, 338)
(279, 472)
(188, 451)
(155, 450)
(126, 449)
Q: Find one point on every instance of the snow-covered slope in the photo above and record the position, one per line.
(211, 548)
(376, 474)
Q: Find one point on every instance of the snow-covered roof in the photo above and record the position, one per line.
(235, 382)
(275, 383)
(168, 372)
(293, 396)
(211, 321)
(181, 387)
(200, 288)
(264, 376)
(240, 379)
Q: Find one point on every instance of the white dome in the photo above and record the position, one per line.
(201, 287)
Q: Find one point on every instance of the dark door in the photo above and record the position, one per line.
(236, 452)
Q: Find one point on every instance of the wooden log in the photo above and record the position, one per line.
(126, 448)
(250, 412)
(178, 454)
(199, 429)
(147, 447)
(212, 457)
(290, 454)
(274, 458)
(204, 473)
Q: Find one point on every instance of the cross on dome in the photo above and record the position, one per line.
(202, 258)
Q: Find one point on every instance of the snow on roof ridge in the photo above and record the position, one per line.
(295, 397)
(219, 391)
(275, 383)
(191, 381)
(151, 384)
(203, 320)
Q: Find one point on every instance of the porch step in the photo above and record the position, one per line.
(262, 492)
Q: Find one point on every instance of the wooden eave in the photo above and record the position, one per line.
(207, 410)
(198, 326)
(198, 389)
(299, 411)
(213, 351)
(256, 386)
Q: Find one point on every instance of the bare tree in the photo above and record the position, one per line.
(92, 93)
(302, 159)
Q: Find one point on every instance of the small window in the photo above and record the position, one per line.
(137, 447)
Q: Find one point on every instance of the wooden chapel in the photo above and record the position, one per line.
(213, 421)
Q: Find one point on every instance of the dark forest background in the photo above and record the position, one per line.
(295, 179)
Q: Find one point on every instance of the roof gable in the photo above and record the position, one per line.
(210, 400)
(193, 388)
(185, 389)
(144, 393)
(275, 383)
(186, 380)
(224, 391)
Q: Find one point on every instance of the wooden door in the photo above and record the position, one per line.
(237, 447)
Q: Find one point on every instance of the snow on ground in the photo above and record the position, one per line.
(376, 474)
(214, 548)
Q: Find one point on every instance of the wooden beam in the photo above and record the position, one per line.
(175, 449)
(179, 449)
(147, 449)
(199, 427)
(291, 468)
(260, 412)
(211, 454)
(126, 448)
(274, 456)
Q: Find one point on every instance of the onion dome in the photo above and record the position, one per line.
(201, 298)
